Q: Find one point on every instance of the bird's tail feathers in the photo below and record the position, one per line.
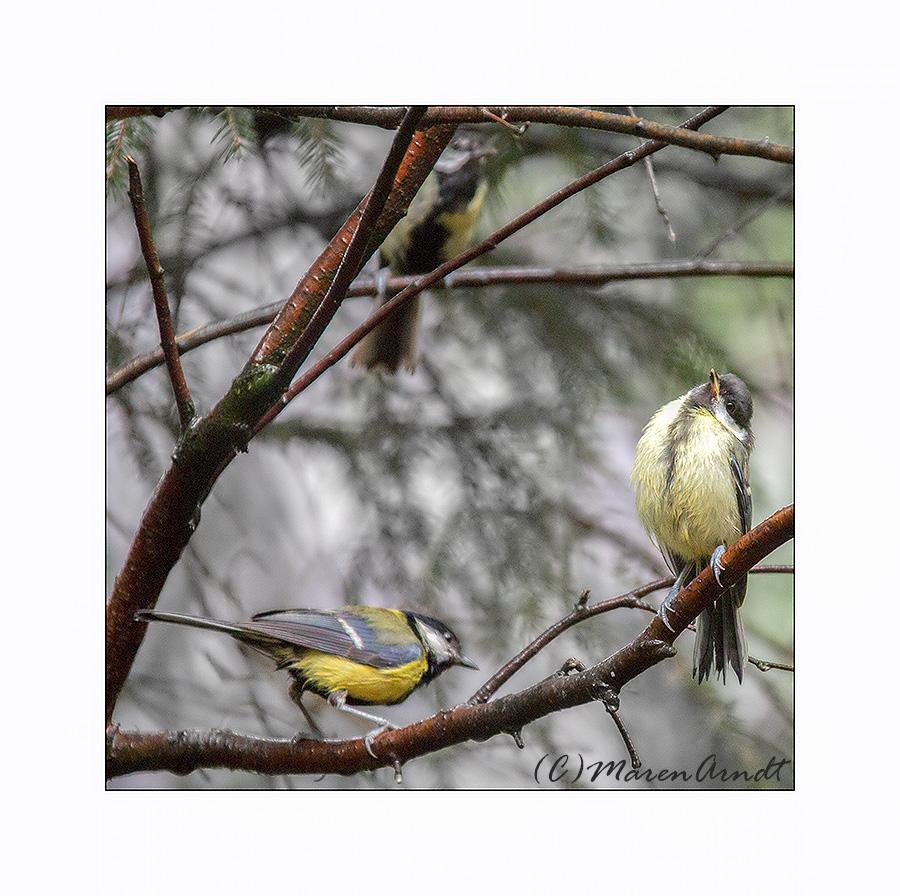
(236, 630)
(392, 344)
(720, 636)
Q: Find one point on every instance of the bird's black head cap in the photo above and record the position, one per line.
(442, 647)
(736, 398)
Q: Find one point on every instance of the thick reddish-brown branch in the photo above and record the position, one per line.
(737, 561)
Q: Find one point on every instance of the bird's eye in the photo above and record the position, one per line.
(730, 406)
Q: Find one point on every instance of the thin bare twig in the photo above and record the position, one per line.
(743, 221)
(648, 164)
(160, 300)
(579, 614)
(610, 700)
(766, 665)
(519, 131)
(626, 738)
(779, 568)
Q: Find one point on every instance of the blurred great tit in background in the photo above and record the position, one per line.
(691, 478)
(353, 656)
(437, 227)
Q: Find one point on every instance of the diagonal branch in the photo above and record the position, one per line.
(160, 300)
(746, 219)
(581, 612)
(299, 309)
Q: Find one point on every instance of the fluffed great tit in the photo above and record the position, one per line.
(353, 656)
(437, 227)
(691, 478)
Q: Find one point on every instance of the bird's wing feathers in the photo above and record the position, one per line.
(742, 493)
(350, 637)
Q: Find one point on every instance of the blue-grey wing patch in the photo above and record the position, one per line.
(350, 637)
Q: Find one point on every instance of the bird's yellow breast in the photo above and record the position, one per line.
(460, 224)
(325, 673)
(686, 499)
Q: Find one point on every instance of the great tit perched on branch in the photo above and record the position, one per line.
(691, 478)
(437, 227)
(353, 656)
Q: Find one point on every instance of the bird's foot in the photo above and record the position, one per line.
(369, 739)
(716, 563)
(662, 612)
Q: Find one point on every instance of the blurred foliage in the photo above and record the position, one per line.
(491, 486)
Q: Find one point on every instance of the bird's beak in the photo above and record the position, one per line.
(463, 660)
(714, 382)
